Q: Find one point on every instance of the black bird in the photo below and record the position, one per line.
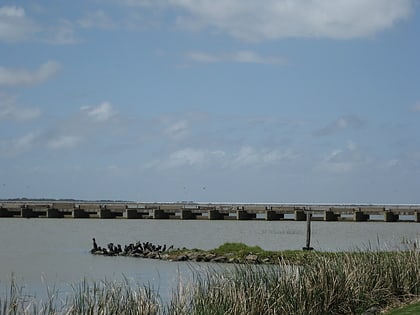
(95, 246)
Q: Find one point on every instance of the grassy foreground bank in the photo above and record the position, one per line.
(410, 309)
(298, 283)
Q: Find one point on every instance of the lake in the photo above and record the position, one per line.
(45, 252)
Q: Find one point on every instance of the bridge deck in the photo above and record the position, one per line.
(210, 211)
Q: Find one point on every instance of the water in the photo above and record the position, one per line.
(46, 252)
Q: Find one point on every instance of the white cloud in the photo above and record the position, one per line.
(188, 156)
(97, 19)
(342, 123)
(16, 77)
(250, 157)
(101, 113)
(61, 34)
(18, 146)
(275, 19)
(245, 157)
(203, 57)
(185, 157)
(14, 12)
(340, 161)
(14, 25)
(177, 130)
(63, 142)
(243, 56)
(9, 110)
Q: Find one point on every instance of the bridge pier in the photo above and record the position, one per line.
(4, 213)
(271, 215)
(330, 216)
(131, 214)
(215, 215)
(416, 216)
(26, 212)
(54, 213)
(359, 216)
(390, 217)
(79, 213)
(160, 214)
(188, 215)
(243, 215)
(300, 215)
(104, 213)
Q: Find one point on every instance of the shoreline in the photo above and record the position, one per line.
(238, 253)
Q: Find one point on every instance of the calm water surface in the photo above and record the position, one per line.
(41, 252)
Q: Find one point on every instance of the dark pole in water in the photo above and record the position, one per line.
(308, 232)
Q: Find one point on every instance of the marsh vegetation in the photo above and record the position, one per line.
(298, 283)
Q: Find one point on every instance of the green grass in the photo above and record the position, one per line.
(237, 248)
(412, 309)
(240, 251)
(330, 284)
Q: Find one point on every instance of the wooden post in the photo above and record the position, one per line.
(308, 232)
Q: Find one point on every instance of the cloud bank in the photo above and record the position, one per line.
(242, 56)
(277, 19)
(14, 24)
(18, 77)
(9, 110)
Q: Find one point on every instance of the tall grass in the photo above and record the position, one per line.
(342, 283)
(103, 297)
(332, 284)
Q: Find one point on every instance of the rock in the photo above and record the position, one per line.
(251, 258)
(192, 256)
(219, 259)
(181, 258)
(151, 255)
(209, 257)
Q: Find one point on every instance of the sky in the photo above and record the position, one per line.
(273, 101)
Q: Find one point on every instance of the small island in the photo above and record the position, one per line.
(236, 253)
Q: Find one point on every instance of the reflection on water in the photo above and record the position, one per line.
(40, 252)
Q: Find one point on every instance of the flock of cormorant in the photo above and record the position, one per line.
(139, 249)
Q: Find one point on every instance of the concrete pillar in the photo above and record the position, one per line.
(243, 215)
(359, 216)
(188, 215)
(416, 216)
(4, 213)
(272, 215)
(215, 215)
(79, 213)
(105, 214)
(131, 214)
(330, 216)
(26, 212)
(160, 214)
(390, 217)
(300, 215)
(53, 213)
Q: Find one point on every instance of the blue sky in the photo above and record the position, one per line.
(211, 100)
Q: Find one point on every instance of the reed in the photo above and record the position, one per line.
(341, 283)
(332, 284)
(102, 298)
